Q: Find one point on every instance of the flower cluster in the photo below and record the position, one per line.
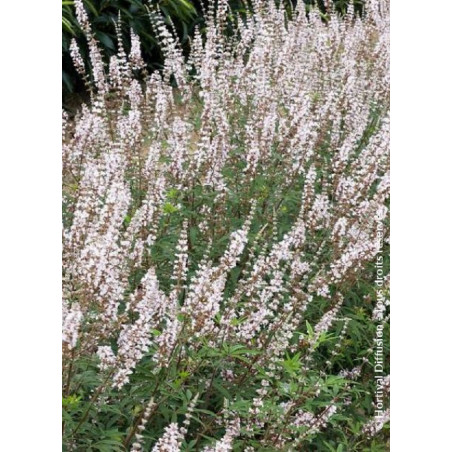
(220, 231)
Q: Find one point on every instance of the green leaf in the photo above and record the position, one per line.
(91, 7)
(168, 208)
(105, 40)
(309, 328)
(68, 26)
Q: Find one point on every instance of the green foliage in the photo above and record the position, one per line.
(226, 375)
(202, 369)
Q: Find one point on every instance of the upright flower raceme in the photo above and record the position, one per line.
(222, 217)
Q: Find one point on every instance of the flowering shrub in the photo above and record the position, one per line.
(222, 227)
